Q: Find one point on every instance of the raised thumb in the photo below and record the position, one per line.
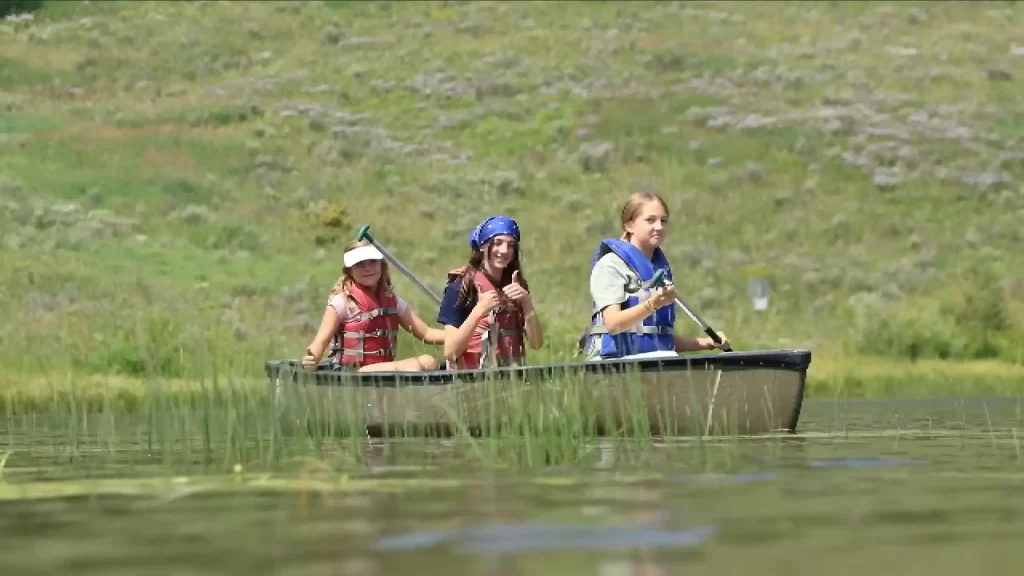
(515, 277)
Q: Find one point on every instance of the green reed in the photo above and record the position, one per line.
(218, 423)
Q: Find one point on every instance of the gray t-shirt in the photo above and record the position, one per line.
(608, 281)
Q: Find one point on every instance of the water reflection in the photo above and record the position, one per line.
(942, 482)
(530, 537)
(863, 463)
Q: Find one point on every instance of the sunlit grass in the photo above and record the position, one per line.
(205, 145)
(873, 377)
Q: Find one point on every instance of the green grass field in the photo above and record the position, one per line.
(177, 179)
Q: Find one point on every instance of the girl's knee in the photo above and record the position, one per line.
(427, 362)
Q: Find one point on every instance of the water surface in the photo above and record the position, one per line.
(886, 486)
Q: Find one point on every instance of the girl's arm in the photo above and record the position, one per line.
(608, 290)
(328, 327)
(534, 333)
(685, 344)
(617, 320)
(456, 339)
(415, 325)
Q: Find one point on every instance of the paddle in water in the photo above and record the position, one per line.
(364, 234)
(659, 280)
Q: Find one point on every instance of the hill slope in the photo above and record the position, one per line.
(177, 179)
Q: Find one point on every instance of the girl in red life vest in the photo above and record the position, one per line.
(362, 319)
(487, 310)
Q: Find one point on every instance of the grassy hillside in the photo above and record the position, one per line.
(177, 179)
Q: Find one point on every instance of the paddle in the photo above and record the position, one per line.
(364, 234)
(659, 280)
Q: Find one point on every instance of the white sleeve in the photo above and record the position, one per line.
(607, 284)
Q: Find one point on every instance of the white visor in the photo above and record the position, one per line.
(357, 255)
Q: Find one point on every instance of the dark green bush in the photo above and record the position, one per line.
(8, 7)
(148, 345)
(970, 320)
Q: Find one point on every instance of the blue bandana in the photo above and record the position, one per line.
(491, 227)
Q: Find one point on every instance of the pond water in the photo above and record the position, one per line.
(884, 486)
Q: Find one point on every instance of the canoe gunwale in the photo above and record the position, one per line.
(285, 375)
(793, 360)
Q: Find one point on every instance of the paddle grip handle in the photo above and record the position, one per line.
(364, 234)
(658, 279)
(716, 338)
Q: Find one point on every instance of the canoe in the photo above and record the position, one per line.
(725, 393)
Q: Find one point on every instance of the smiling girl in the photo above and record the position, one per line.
(362, 319)
(487, 307)
(629, 319)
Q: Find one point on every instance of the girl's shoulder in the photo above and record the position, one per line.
(609, 259)
(347, 308)
(454, 284)
(338, 301)
(610, 263)
(344, 306)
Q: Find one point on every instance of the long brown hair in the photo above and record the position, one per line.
(476, 265)
(634, 204)
(344, 283)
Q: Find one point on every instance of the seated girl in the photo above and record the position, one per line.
(362, 319)
(631, 320)
(487, 309)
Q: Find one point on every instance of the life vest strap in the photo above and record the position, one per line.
(655, 330)
(371, 314)
(500, 332)
(360, 353)
(379, 333)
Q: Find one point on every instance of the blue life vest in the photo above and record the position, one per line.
(656, 331)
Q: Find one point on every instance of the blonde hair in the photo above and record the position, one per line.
(344, 283)
(634, 204)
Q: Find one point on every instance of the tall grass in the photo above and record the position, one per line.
(288, 423)
(218, 423)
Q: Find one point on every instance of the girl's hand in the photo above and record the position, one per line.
(664, 296)
(309, 360)
(516, 292)
(486, 302)
(709, 344)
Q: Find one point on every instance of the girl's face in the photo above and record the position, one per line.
(649, 226)
(367, 273)
(501, 251)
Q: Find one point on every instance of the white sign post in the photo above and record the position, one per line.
(759, 289)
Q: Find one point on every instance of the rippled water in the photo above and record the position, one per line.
(890, 487)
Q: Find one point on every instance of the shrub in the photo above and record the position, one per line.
(969, 321)
(8, 7)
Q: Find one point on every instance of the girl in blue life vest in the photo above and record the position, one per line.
(629, 319)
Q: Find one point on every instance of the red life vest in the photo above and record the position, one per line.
(498, 338)
(372, 336)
